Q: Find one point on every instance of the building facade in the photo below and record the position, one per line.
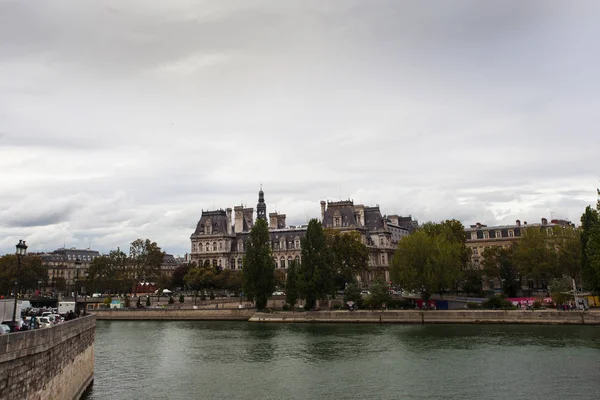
(379, 233)
(221, 236)
(481, 237)
(62, 263)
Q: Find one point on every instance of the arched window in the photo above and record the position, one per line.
(298, 260)
(214, 246)
(282, 263)
(240, 264)
(289, 261)
(275, 262)
(232, 263)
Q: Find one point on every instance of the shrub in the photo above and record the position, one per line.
(181, 298)
(126, 301)
(171, 301)
(473, 306)
(286, 307)
(107, 301)
(147, 301)
(398, 304)
(497, 303)
(538, 304)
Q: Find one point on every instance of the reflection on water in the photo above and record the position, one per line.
(237, 360)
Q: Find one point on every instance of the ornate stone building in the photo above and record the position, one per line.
(221, 241)
(61, 263)
(221, 236)
(379, 233)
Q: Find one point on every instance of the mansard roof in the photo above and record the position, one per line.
(373, 219)
(343, 209)
(217, 220)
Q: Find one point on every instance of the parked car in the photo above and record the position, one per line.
(44, 322)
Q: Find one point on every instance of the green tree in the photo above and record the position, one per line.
(499, 262)
(315, 276)
(454, 232)
(200, 278)
(558, 288)
(145, 259)
(350, 256)
(379, 295)
(352, 293)
(590, 245)
(426, 263)
(258, 273)
(32, 271)
(567, 242)
(178, 278)
(472, 282)
(181, 299)
(536, 256)
(291, 284)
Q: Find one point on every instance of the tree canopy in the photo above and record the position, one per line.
(427, 262)
(349, 255)
(316, 273)
(32, 271)
(499, 262)
(145, 258)
(258, 266)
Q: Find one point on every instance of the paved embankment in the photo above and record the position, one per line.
(433, 317)
(176, 315)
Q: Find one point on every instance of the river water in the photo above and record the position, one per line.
(239, 360)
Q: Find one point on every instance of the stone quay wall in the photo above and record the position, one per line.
(434, 317)
(177, 314)
(55, 363)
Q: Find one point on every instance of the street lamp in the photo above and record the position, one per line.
(21, 250)
(85, 294)
(77, 267)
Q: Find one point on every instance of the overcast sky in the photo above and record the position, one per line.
(124, 119)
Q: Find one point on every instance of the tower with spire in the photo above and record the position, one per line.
(261, 207)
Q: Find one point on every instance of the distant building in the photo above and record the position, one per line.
(61, 263)
(480, 237)
(221, 236)
(168, 265)
(379, 233)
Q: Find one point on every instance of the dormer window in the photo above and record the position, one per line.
(336, 221)
(486, 235)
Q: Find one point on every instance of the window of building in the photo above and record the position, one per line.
(239, 263)
(336, 222)
(486, 235)
(473, 235)
(214, 246)
(511, 233)
(498, 234)
(475, 251)
(383, 259)
(289, 261)
(282, 263)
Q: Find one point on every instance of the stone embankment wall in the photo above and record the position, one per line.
(55, 363)
(177, 315)
(434, 317)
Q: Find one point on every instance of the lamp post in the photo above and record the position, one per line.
(85, 294)
(21, 250)
(77, 267)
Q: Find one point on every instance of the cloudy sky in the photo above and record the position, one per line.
(124, 119)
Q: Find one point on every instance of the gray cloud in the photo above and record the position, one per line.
(121, 120)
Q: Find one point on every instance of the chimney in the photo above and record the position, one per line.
(544, 221)
(281, 221)
(323, 211)
(524, 222)
(518, 222)
(273, 221)
(239, 218)
(478, 225)
(249, 217)
(229, 220)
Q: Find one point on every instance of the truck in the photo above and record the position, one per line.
(65, 306)
(6, 309)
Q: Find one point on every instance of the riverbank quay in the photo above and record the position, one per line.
(167, 314)
(538, 317)
(54, 363)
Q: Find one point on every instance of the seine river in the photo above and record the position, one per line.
(238, 360)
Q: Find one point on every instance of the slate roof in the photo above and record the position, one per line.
(373, 219)
(218, 220)
(345, 209)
